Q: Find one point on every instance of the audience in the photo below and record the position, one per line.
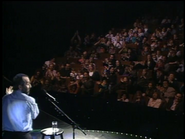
(142, 65)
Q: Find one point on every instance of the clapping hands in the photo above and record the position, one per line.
(9, 90)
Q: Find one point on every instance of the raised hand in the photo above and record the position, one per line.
(9, 90)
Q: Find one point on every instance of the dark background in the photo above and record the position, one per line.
(34, 32)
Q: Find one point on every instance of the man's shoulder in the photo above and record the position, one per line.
(24, 97)
(6, 96)
(29, 99)
(170, 88)
(21, 96)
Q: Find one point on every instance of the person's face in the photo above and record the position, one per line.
(144, 72)
(26, 86)
(117, 63)
(171, 76)
(86, 75)
(150, 85)
(112, 70)
(154, 95)
(104, 81)
(138, 96)
(90, 67)
(178, 97)
(165, 84)
(111, 56)
(125, 79)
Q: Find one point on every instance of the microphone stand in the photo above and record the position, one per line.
(74, 125)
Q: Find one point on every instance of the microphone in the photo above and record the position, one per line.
(50, 96)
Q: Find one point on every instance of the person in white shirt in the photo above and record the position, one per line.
(154, 101)
(18, 109)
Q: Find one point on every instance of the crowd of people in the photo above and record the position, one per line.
(143, 65)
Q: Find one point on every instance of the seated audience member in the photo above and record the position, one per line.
(158, 77)
(112, 50)
(87, 85)
(176, 104)
(166, 92)
(149, 63)
(142, 81)
(159, 65)
(123, 87)
(36, 79)
(145, 51)
(112, 59)
(73, 87)
(124, 98)
(93, 73)
(111, 78)
(73, 74)
(149, 90)
(47, 85)
(123, 49)
(102, 89)
(119, 68)
(139, 99)
(180, 71)
(81, 60)
(48, 63)
(66, 71)
(57, 77)
(172, 61)
(154, 101)
(165, 48)
(50, 72)
(173, 81)
(129, 56)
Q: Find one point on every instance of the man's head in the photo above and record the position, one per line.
(178, 97)
(165, 84)
(22, 82)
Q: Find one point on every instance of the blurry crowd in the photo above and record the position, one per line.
(143, 64)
